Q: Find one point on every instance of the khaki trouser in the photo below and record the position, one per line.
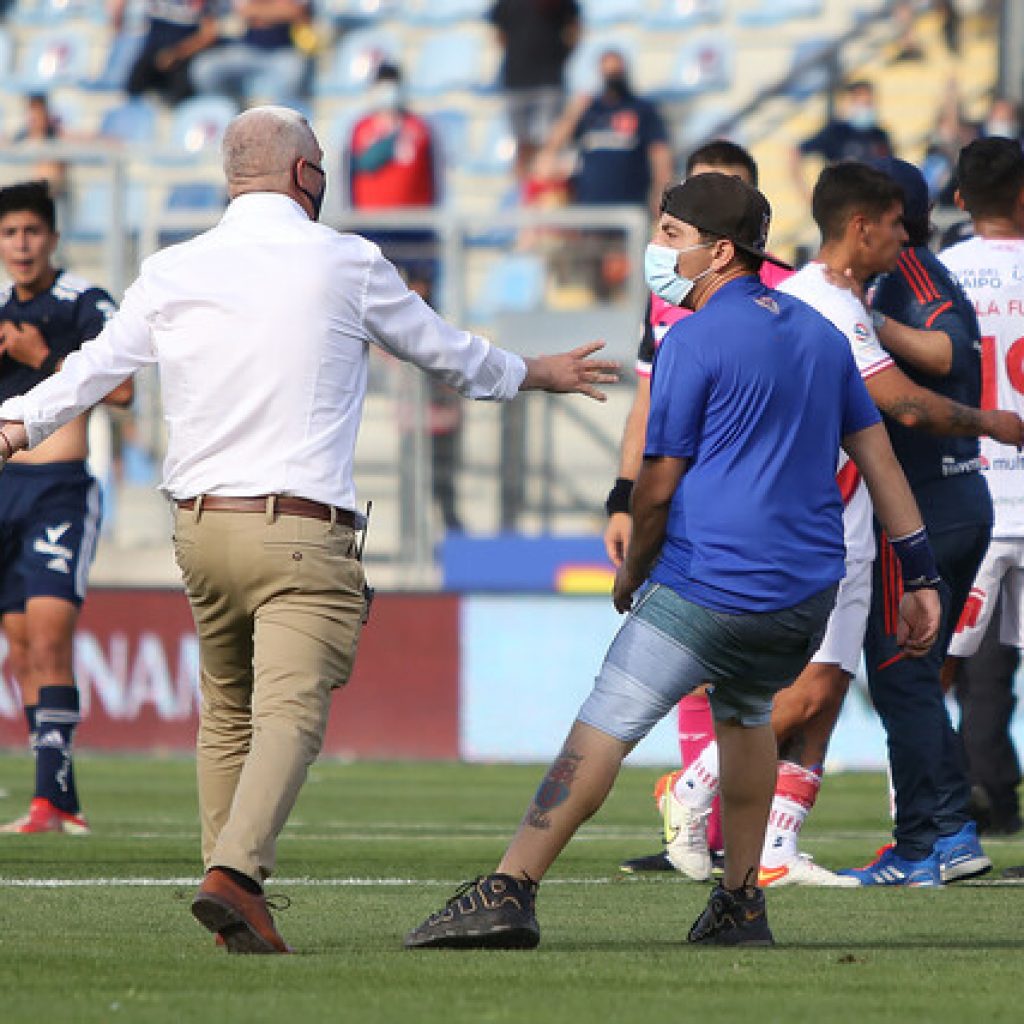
(278, 604)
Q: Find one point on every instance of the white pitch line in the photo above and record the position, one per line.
(353, 883)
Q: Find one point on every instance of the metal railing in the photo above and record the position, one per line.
(514, 472)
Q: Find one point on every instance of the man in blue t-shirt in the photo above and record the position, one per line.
(738, 525)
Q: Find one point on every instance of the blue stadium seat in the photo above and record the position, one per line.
(191, 197)
(451, 128)
(134, 121)
(496, 151)
(815, 79)
(350, 13)
(512, 284)
(6, 56)
(447, 62)
(676, 14)
(91, 216)
(778, 12)
(582, 74)
(123, 51)
(58, 57)
(442, 12)
(355, 60)
(601, 13)
(198, 124)
(701, 65)
(33, 13)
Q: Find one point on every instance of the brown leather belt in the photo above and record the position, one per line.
(283, 505)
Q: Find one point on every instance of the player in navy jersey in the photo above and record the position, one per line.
(49, 503)
(928, 771)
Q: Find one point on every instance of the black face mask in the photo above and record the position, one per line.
(616, 86)
(316, 201)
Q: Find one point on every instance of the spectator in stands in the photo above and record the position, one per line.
(393, 162)
(623, 158)
(952, 132)
(264, 63)
(1003, 120)
(536, 37)
(176, 30)
(854, 135)
(42, 125)
(622, 144)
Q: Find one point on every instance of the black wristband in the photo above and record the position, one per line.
(917, 561)
(49, 364)
(618, 496)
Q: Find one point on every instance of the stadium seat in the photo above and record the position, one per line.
(355, 60)
(512, 284)
(134, 121)
(59, 57)
(702, 65)
(495, 153)
(778, 12)
(451, 128)
(677, 14)
(582, 74)
(601, 13)
(442, 12)
(91, 212)
(6, 56)
(32, 13)
(447, 62)
(349, 13)
(191, 197)
(198, 124)
(815, 79)
(123, 51)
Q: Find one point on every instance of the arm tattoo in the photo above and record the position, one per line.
(963, 420)
(554, 789)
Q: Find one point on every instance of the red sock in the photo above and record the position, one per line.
(696, 731)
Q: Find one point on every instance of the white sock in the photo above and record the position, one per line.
(697, 787)
(795, 793)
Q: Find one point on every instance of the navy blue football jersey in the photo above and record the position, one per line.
(944, 472)
(67, 314)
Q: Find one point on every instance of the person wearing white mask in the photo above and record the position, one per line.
(853, 135)
(738, 537)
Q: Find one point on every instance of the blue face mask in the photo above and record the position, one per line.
(661, 275)
(862, 118)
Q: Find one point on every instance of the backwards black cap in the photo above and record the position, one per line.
(722, 205)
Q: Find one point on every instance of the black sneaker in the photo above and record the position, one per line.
(490, 912)
(733, 919)
(642, 865)
(718, 864)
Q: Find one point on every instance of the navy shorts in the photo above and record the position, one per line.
(49, 524)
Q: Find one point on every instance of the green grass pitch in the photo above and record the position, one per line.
(98, 929)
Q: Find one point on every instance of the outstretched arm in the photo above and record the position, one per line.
(920, 409)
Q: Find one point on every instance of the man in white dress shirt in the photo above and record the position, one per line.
(260, 328)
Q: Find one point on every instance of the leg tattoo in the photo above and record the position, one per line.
(554, 789)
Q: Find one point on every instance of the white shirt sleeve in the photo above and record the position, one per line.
(400, 322)
(88, 375)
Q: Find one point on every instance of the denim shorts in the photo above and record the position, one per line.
(669, 646)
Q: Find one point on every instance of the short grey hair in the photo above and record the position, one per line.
(264, 142)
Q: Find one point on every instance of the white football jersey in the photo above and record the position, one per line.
(992, 273)
(847, 313)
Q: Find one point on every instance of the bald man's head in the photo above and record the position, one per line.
(261, 146)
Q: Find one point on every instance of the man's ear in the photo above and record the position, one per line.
(958, 200)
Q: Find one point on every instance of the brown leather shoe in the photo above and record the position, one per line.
(238, 917)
